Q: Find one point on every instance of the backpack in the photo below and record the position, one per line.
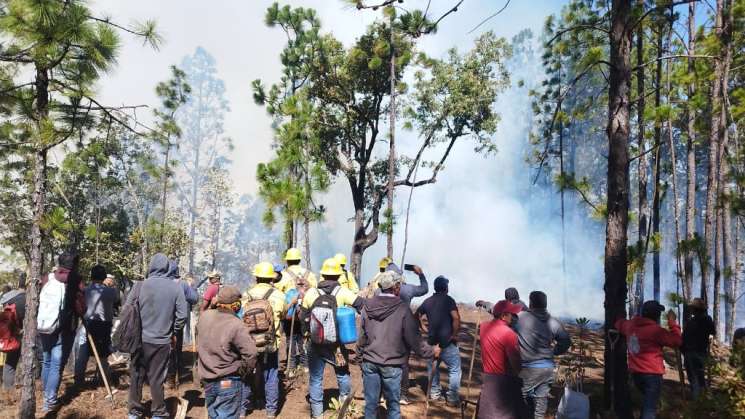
(9, 329)
(301, 282)
(51, 300)
(323, 325)
(128, 336)
(258, 316)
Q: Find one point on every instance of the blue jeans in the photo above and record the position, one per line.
(317, 358)
(223, 398)
(55, 351)
(650, 386)
(267, 366)
(374, 377)
(451, 356)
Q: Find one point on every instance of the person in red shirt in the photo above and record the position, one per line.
(500, 354)
(210, 293)
(645, 339)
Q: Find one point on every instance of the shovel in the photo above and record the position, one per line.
(100, 367)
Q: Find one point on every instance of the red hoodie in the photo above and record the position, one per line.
(645, 339)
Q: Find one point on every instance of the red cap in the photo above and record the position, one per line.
(505, 306)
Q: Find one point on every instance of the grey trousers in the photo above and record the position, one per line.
(536, 388)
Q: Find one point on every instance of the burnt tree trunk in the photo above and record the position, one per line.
(657, 172)
(616, 257)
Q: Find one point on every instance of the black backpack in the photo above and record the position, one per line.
(128, 336)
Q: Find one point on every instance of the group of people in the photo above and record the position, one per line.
(238, 335)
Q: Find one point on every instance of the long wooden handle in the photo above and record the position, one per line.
(100, 367)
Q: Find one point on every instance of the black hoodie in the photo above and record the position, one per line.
(390, 332)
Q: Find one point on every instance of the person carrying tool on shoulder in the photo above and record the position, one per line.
(321, 305)
(263, 308)
(389, 333)
(227, 354)
(645, 339)
(347, 279)
(501, 391)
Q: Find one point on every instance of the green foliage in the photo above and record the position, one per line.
(726, 398)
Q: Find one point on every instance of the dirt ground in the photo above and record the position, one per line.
(92, 403)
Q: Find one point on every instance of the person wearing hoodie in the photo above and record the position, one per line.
(389, 333)
(318, 355)
(541, 338)
(191, 297)
(645, 339)
(443, 325)
(163, 314)
(63, 303)
(408, 292)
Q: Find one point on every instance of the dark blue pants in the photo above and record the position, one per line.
(375, 378)
(650, 385)
(267, 368)
(223, 398)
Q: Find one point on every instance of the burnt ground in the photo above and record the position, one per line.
(91, 402)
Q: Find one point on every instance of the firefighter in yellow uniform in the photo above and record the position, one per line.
(294, 275)
(318, 356)
(346, 279)
(268, 362)
(372, 285)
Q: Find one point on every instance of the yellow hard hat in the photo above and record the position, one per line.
(264, 270)
(293, 254)
(331, 267)
(341, 258)
(384, 262)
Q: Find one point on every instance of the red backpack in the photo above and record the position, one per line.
(9, 329)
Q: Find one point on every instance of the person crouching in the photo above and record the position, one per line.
(501, 395)
(226, 354)
(389, 333)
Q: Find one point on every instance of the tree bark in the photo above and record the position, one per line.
(27, 405)
(714, 132)
(193, 213)
(165, 192)
(392, 150)
(657, 172)
(690, 157)
(306, 239)
(642, 174)
(616, 257)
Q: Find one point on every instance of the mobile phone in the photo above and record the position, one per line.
(409, 267)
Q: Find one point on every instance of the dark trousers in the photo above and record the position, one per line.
(650, 385)
(695, 364)
(150, 362)
(9, 369)
(298, 356)
(176, 360)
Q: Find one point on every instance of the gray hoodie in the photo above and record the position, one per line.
(536, 332)
(163, 308)
(390, 332)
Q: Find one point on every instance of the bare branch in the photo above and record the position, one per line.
(490, 17)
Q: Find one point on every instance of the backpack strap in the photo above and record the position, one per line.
(320, 292)
(336, 290)
(268, 294)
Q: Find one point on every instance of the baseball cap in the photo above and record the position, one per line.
(388, 280)
(505, 306)
(228, 295)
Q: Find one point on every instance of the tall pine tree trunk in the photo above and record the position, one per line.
(392, 150)
(27, 405)
(690, 157)
(657, 172)
(616, 240)
(715, 99)
(642, 173)
(306, 242)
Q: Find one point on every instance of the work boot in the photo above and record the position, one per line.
(404, 400)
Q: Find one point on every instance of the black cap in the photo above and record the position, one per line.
(652, 309)
(68, 260)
